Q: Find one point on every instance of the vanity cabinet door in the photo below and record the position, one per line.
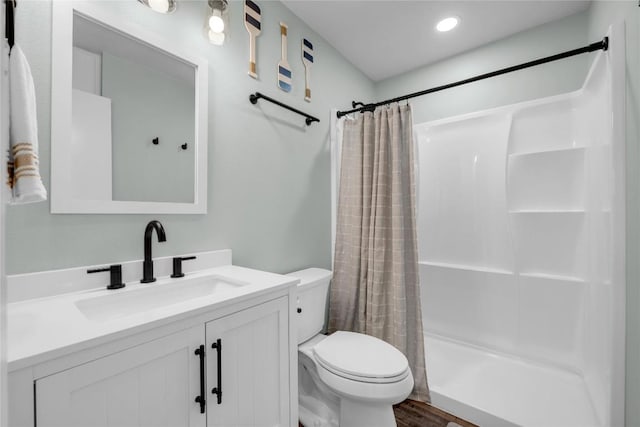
(153, 384)
(252, 372)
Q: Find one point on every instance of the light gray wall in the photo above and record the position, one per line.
(269, 180)
(532, 83)
(601, 15)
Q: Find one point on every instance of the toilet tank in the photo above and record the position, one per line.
(312, 301)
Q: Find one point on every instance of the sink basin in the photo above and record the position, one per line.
(153, 296)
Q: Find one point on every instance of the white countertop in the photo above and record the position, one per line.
(45, 328)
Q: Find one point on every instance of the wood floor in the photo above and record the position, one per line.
(417, 414)
(411, 413)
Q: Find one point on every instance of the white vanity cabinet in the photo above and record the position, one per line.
(156, 383)
(152, 384)
(249, 365)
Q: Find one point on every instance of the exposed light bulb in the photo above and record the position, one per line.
(216, 23)
(216, 38)
(161, 6)
(447, 24)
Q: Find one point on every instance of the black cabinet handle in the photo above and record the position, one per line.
(201, 399)
(218, 390)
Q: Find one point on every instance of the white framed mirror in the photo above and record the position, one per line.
(128, 117)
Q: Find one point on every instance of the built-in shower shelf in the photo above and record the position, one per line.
(547, 180)
(553, 277)
(547, 211)
(549, 151)
(466, 267)
(546, 126)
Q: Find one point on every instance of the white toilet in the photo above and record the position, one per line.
(345, 379)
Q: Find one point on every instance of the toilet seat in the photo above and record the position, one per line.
(362, 358)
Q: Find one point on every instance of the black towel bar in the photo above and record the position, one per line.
(308, 119)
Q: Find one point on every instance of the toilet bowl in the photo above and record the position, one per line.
(346, 379)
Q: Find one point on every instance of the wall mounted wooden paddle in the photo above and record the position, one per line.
(307, 60)
(284, 70)
(252, 23)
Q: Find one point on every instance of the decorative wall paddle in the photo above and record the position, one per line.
(307, 60)
(284, 70)
(253, 26)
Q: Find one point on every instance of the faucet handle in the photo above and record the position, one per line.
(115, 275)
(177, 265)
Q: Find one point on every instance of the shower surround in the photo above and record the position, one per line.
(521, 247)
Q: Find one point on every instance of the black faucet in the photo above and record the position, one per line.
(147, 265)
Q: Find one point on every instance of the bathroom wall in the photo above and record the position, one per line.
(532, 83)
(269, 181)
(601, 14)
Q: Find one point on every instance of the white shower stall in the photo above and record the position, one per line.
(521, 241)
(521, 247)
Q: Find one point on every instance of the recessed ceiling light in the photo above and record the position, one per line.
(447, 24)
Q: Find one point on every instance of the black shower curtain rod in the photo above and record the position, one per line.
(601, 45)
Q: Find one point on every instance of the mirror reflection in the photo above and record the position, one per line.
(133, 119)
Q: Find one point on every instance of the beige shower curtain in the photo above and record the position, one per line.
(375, 288)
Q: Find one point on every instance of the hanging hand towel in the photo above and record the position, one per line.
(24, 168)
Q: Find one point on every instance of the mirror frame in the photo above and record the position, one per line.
(62, 200)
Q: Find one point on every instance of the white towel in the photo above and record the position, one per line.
(26, 182)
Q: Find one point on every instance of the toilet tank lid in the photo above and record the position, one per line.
(311, 276)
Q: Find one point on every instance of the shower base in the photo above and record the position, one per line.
(498, 390)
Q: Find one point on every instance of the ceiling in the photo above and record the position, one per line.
(385, 38)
